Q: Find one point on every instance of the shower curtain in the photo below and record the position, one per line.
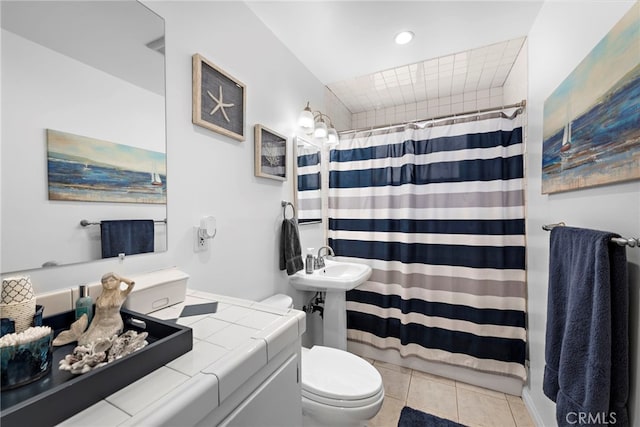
(438, 212)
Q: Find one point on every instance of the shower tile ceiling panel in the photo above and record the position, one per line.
(469, 71)
(460, 46)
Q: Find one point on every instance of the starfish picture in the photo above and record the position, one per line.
(220, 104)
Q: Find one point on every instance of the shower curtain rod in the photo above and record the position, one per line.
(519, 105)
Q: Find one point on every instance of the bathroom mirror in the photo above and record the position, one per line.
(90, 69)
(308, 183)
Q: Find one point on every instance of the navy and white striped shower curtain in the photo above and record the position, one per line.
(309, 198)
(438, 212)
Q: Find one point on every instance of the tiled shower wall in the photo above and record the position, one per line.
(448, 105)
(343, 119)
(340, 115)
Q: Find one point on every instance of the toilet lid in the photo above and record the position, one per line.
(337, 374)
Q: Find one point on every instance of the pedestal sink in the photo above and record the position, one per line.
(335, 278)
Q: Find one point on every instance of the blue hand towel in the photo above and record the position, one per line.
(587, 346)
(133, 236)
(290, 251)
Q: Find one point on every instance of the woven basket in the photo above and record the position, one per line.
(18, 302)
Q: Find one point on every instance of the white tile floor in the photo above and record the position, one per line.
(464, 403)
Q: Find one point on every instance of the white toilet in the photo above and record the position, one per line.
(338, 388)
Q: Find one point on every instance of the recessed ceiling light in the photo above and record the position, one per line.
(404, 37)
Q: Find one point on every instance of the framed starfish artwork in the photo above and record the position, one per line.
(218, 99)
(270, 154)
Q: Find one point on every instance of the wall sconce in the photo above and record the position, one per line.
(313, 123)
(206, 231)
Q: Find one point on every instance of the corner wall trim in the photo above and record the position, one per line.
(531, 407)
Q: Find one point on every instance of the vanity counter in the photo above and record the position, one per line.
(236, 350)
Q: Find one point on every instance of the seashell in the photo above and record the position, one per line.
(104, 350)
(137, 342)
(82, 360)
(101, 345)
(127, 343)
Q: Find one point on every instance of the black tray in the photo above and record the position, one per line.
(60, 394)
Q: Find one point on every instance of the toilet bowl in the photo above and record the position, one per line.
(338, 388)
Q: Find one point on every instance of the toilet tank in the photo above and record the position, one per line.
(156, 290)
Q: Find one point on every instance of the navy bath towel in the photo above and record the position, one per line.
(290, 251)
(133, 236)
(587, 345)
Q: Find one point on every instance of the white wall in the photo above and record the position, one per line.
(213, 175)
(563, 34)
(209, 174)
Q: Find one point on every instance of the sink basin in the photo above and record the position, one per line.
(335, 276)
(335, 279)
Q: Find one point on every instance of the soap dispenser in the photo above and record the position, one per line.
(309, 261)
(84, 304)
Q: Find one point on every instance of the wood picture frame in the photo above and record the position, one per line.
(270, 154)
(218, 99)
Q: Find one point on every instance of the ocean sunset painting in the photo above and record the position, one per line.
(591, 133)
(87, 169)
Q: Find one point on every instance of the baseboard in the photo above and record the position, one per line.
(531, 407)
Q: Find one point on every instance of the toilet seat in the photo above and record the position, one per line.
(338, 388)
(337, 378)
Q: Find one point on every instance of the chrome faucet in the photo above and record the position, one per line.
(320, 258)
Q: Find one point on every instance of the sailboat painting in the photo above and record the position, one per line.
(91, 170)
(591, 131)
(156, 179)
(566, 140)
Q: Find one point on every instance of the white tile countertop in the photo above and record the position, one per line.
(229, 347)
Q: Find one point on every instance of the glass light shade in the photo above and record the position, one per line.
(332, 137)
(305, 121)
(403, 37)
(320, 131)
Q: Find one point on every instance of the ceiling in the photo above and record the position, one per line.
(459, 46)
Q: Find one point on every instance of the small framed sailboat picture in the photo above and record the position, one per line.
(591, 131)
(91, 170)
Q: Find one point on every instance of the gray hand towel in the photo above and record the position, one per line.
(587, 346)
(290, 251)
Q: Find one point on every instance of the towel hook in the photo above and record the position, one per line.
(284, 205)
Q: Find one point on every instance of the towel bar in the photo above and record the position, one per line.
(284, 205)
(86, 223)
(622, 241)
